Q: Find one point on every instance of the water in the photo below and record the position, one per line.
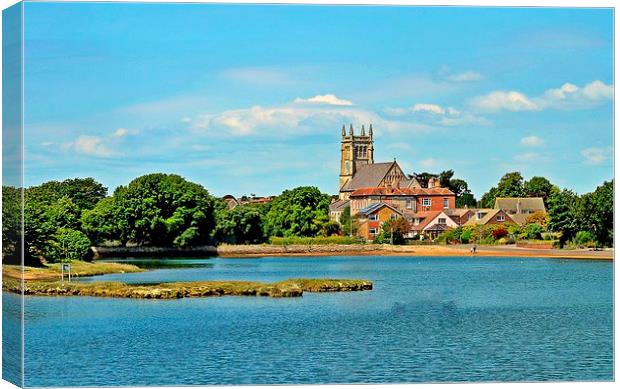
(427, 320)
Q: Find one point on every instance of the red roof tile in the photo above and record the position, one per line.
(380, 191)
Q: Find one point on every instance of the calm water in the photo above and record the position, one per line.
(427, 320)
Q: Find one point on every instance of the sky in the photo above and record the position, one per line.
(250, 99)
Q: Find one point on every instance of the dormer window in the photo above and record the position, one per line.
(426, 202)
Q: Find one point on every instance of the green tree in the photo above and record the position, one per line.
(242, 224)
(298, 212)
(595, 213)
(164, 210)
(510, 185)
(105, 222)
(67, 244)
(538, 187)
(394, 231)
(562, 213)
(85, 193)
(349, 225)
(11, 224)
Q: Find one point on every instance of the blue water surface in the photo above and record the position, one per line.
(426, 320)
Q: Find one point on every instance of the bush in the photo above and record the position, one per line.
(499, 233)
(584, 239)
(275, 240)
(465, 236)
(532, 231)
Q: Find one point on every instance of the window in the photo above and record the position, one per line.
(416, 221)
(372, 231)
(394, 216)
(500, 218)
(373, 217)
(426, 202)
(441, 220)
(446, 203)
(408, 204)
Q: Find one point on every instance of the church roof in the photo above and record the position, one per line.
(381, 191)
(338, 205)
(367, 176)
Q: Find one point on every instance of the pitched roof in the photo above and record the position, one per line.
(338, 205)
(438, 227)
(367, 176)
(519, 218)
(488, 217)
(372, 208)
(426, 216)
(410, 183)
(520, 203)
(381, 191)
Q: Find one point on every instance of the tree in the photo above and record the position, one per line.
(242, 224)
(562, 213)
(105, 222)
(538, 187)
(298, 212)
(464, 197)
(539, 217)
(85, 193)
(67, 244)
(594, 212)
(394, 230)
(165, 210)
(423, 178)
(510, 185)
(349, 224)
(11, 224)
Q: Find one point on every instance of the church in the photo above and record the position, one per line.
(363, 183)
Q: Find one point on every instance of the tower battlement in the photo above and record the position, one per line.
(355, 150)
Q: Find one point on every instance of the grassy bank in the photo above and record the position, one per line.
(78, 269)
(175, 290)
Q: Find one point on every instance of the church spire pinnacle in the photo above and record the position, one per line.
(344, 132)
(351, 130)
(370, 130)
(363, 131)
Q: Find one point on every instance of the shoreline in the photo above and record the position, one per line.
(265, 250)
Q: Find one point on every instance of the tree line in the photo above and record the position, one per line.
(63, 219)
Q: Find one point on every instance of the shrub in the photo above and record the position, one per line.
(584, 239)
(532, 231)
(499, 233)
(465, 236)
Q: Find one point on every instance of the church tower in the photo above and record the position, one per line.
(355, 151)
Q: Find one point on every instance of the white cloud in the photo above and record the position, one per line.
(504, 100)
(294, 118)
(465, 76)
(122, 132)
(595, 155)
(597, 90)
(90, 145)
(526, 157)
(531, 141)
(431, 108)
(567, 96)
(395, 111)
(328, 99)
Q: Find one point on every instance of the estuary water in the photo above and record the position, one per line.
(426, 320)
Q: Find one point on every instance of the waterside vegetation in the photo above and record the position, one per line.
(176, 290)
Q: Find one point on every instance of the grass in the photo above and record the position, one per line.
(174, 290)
(78, 269)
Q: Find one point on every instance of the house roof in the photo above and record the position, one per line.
(519, 218)
(438, 227)
(338, 205)
(490, 215)
(372, 208)
(411, 182)
(426, 216)
(368, 176)
(520, 203)
(380, 191)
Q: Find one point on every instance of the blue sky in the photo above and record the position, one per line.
(251, 99)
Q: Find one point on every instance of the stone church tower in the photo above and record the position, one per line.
(355, 151)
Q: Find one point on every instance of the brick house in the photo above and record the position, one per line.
(372, 218)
